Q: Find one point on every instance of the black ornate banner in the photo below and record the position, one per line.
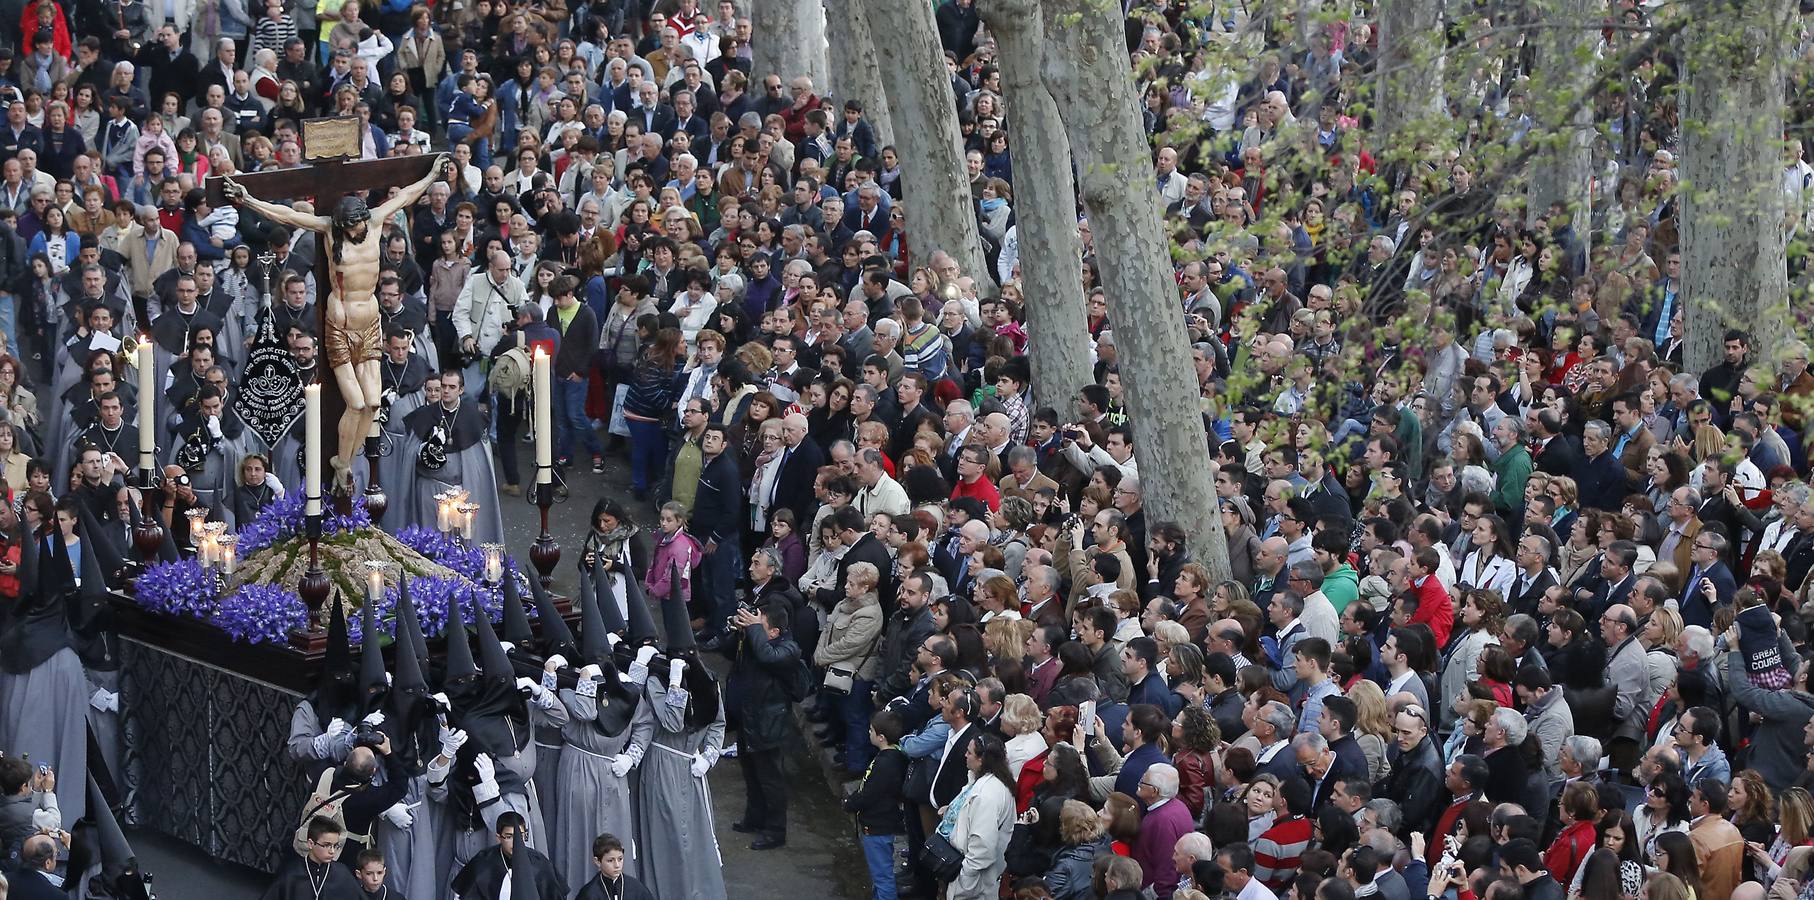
(269, 398)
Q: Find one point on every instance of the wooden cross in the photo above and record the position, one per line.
(331, 173)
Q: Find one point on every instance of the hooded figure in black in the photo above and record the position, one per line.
(527, 870)
(676, 848)
(409, 837)
(493, 772)
(321, 728)
(606, 738)
(100, 859)
(43, 690)
(544, 733)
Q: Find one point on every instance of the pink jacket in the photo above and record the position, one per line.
(681, 550)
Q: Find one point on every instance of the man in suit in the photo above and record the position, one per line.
(1322, 765)
(1534, 576)
(961, 709)
(1601, 477)
(1023, 478)
(1273, 728)
(1616, 580)
(800, 462)
(1555, 454)
(869, 214)
(864, 547)
(1141, 733)
(1684, 526)
(1633, 444)
(1710, 584)
(37, 878)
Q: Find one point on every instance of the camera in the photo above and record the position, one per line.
(366, 735)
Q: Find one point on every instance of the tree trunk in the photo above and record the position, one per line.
(1730, 206)
(854, 73)
(1045, 203)
(1091, 80)
(790, 40)
(1562, 118)
(1409, 87)
(940, 212)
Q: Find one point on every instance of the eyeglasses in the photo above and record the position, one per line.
(327, 845)
(1416, 712)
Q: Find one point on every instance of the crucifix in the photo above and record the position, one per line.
(346, 261)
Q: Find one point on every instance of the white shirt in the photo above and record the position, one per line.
(1256, 891)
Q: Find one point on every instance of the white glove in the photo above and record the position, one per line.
(556, 663)
(375, 719)
(645, 654)
(622, 765)
(214, 427)
(612, 640)
(441, 698)
(104, 700)
(451, 742)
(487, 788)
(700, 765)
(508, 646)
(529, 686)
(399, 816)
(639, 667)
(338, 727)
(591, 670)
(675, 670)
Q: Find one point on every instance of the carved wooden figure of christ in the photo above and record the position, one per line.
(346, 271)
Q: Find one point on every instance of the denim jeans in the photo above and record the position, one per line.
(648, 452)
(720, 570)
(474, 376)
(856, 710)
(9, 323)
(481, 149)
(878, 851)
(570, 420)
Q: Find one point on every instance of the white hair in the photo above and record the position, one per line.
(1163, 778)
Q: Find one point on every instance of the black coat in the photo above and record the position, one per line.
(794, 484)
(1506, 776)
(757, 692)
(901, 638)
(718, 506)
(632, 890)
(952, 773)
(877, 801)
(1560, 457)
(1416, 783)
(866, 549)
(805, 626)
(578, 343)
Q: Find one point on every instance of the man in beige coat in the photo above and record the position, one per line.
(150, 251)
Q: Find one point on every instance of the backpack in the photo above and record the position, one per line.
(511, 373)
(325, 802)
(798, 682)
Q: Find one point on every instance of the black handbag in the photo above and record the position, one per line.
(920, 774)
(941, 858)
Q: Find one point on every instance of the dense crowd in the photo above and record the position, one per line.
(1515, 605)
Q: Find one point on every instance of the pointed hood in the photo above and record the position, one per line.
(371, 655)
(603, 586)
(593, 645)
(516, 622)
(109, 856)
(408, 669)
(337, 694)
(492, 659)
(556, 636)
(459, 652)
(409, 716)
(674, 615)
(642, 626)
(406, 612)
(28, 560)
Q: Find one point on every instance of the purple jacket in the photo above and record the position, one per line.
(1160, 829)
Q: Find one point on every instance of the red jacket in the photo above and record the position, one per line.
(983, 490)
(1435, 609)
(1569, 851)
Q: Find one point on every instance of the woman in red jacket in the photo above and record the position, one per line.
(1194, 739)
(1580, 809)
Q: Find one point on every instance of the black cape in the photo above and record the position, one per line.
(483, 877)
(293, 882)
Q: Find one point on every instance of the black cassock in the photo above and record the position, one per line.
(483, 876)
(300, 879)
(449, 450)
(626, 888)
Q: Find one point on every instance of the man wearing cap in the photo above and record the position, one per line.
(352, 336)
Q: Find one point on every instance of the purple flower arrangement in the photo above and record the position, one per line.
(267, 613)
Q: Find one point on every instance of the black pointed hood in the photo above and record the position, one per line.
(459, 652)
(674, 615)
(407, 612)
(556, 636)
(492, 658)
(28, 560)
(371, 655)
(593, 645)
(337, 695)
(408, 675)
(642, 625)
(606, 594)
(409, 716)
(516, 622)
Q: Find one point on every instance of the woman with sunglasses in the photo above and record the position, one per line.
(1665, 811)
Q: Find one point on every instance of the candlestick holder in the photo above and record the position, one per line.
(545, 554)
(375, 500)
(148, 532)
(314, 586)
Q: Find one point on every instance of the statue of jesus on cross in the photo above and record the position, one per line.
(351, 337)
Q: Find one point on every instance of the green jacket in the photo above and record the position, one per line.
(1513, 469)
(1342, 587)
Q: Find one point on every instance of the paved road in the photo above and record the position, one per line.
(822, 855)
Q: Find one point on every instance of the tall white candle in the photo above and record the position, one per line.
(544, 418)
(311, 478)
(147, 406)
